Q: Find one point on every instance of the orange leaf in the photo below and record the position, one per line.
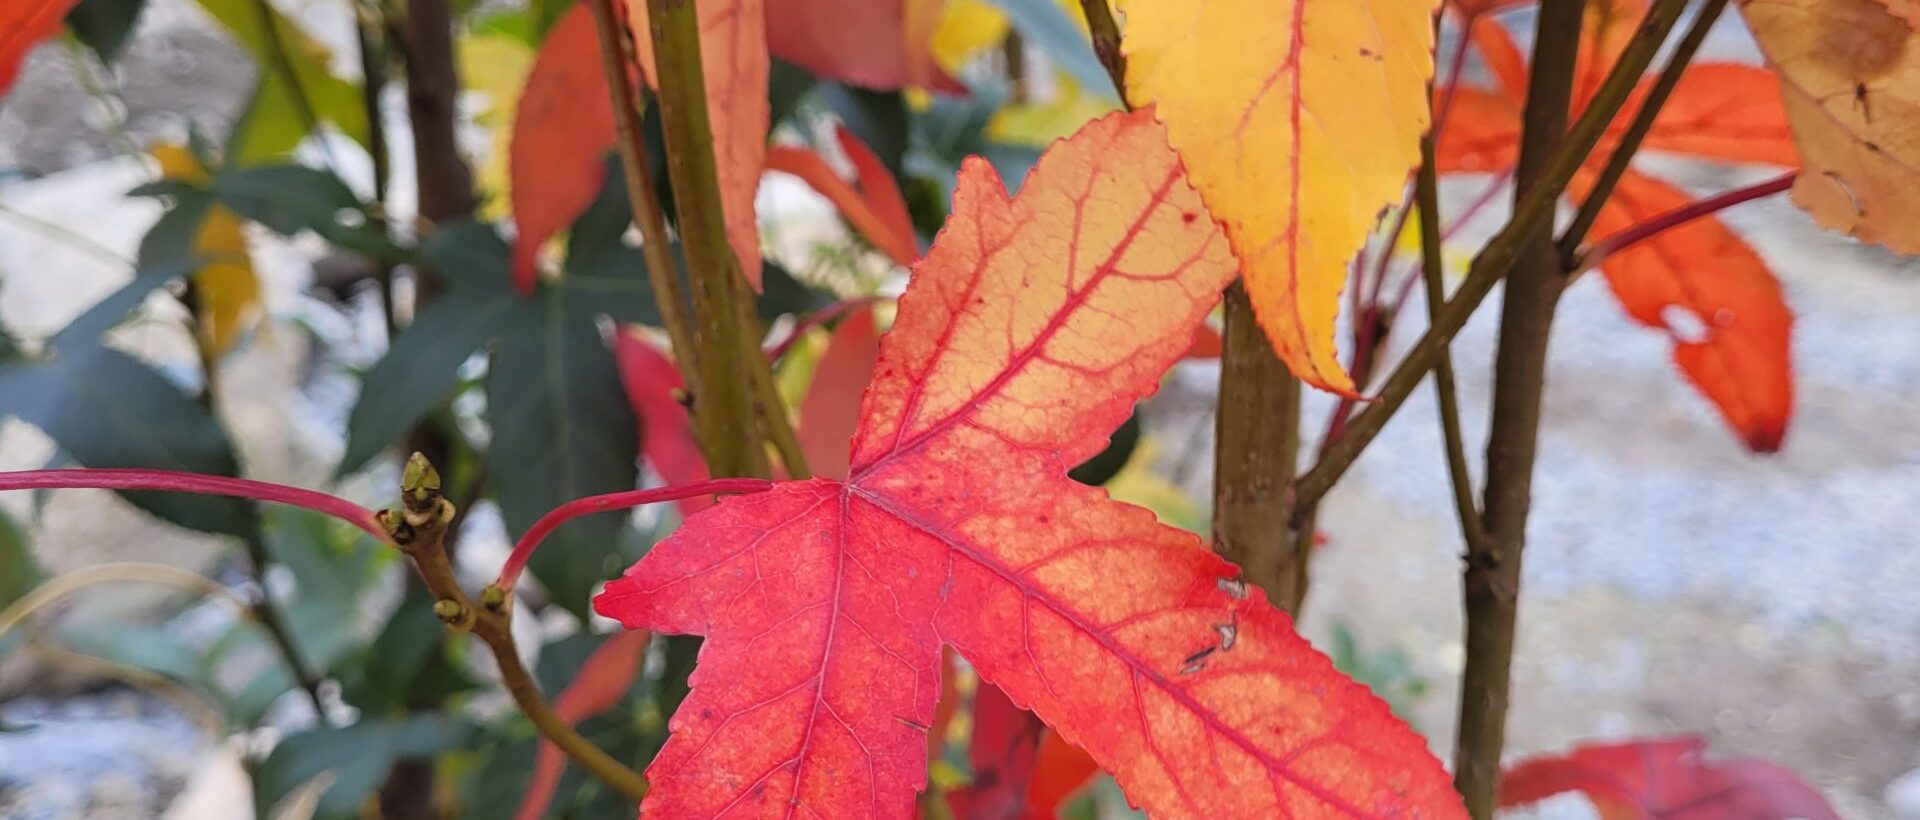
(1060, 771)
(1849, 70)
(23, 24)
(1503, 58)
(733, 58)
(1298, 122)
(1701, 283)
(831, 409)
(1206, 343)
(1666, 778)
(878, 44)
(666, 435)
(1726, 112)
(1482, 134)
(561, 132)
(876, 209)
(1027, 334)
(603, 680)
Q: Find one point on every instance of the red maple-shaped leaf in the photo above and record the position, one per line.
(1665, 779)
(1027, 334)
(1701, 283)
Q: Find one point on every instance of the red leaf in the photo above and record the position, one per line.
(1727, 112)
(831, 410)
(666, 435)
(1733, 335)
(733, 58)
(1028, 332)
(23, 24)
(878, 44)
(1700, 282)
(603, 680)
(561, 132)
(876, 209)
(1061, 771)
(1006, 744)
(1667, 779)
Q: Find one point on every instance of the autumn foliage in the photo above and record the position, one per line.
(919, 526)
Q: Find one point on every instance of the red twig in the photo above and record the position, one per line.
(817, 318)
(177, 482)
(1656, 225)
(523, 549)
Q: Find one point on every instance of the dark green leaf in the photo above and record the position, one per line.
(422, 367)
(1109, 462)
(288, 199)
(1046, 25)
(103, 25)
(151, 648)
(105, 314)
(604, 274)
(408, 664)
(105, 409)
(334, 565)
(357, 756)
(781, 294)
(787, 85)
(878, 118)
(561, 430)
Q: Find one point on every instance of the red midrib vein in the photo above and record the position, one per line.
(1019, 360)
(1126, 655)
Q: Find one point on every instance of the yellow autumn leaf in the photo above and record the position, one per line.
(1298, 121)
(225, 289)
(1038, 124)
(967, 28)
(495, 66)
(1850, 80)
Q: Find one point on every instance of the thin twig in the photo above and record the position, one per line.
(419, 527)
(282, 63)
(1106, 42)
(1598, 253)
(1446, 395)
(1636, 133)
(373, 84)
(617, 61)
(1533, 214)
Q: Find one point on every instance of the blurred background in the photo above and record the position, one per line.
(1676, 583)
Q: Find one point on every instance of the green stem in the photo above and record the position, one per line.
(724, 416)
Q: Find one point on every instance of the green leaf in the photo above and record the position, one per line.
(288, 199)
(19, 573)
(357, 756)
(878, 118)
(154, 649)
(561, 430)
(106, 409)
(273, 124)
(781, 294)
(1044, 24)
(422, 368)
(103, 25)
(787, 85)
(410, 664)
(105, 314)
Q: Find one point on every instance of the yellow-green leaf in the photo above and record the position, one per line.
(1298, 121)
(274, 122)
(225, 290)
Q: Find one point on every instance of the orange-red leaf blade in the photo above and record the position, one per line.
(561, 131)
(1666, 777)
(23, 24)
(879, 44)
(876, 209)
(1059, 772)
(1700, 282)
(1025, 336)
(831, 409)
(1727, 112)
(652, 383)
(734, 62)
(605, 677)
